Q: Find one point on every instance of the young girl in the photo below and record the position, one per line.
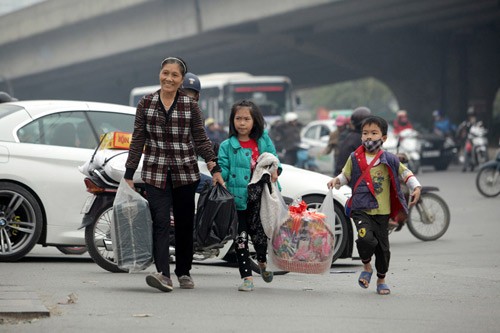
(237, 158)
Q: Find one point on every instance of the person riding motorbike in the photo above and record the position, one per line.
(352, 139)
(192, 87)
(336, 137)
(286, 136)
(465, 143)
(401, 122)
(442, 125)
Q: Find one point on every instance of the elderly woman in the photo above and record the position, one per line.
(169, 131)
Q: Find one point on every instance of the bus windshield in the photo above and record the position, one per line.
(272, 98)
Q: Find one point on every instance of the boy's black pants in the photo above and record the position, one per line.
(373, 239)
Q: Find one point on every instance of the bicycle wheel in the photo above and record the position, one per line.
(488, 182)
(430, 218)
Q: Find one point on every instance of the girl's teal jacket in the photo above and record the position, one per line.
(235, 164)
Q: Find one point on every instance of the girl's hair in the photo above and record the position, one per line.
(376, 120)
(258, 119)
(176, 60)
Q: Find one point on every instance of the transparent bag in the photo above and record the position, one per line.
(131, 230)
(304, 242)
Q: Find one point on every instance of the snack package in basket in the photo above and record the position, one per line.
(304, 242)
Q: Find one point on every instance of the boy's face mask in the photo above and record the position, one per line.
(372, 145)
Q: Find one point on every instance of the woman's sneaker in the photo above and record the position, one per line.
(247, 285)
(159, 281)
(186, 282)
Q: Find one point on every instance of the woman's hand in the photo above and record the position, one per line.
(210, 165)
(217, 178)
(335, 182)
(130, 182)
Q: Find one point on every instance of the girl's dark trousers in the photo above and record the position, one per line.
(373, 239)
(181, 200)
(259, 241)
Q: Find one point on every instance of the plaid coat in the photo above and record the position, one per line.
(170, 142)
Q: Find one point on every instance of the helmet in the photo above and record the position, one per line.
(209, 121)
(291, 116)
(437, 113)
(340, 120)
(358, 115)
(4, 97)
(192, 82)
(471, 111)
(401, 114)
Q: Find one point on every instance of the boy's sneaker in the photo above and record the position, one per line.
(266, 275)
(159, 281)
(186, 282)
(247, 285)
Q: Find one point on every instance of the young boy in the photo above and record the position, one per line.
(376, 198)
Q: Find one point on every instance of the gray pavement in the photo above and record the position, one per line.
(449, 285)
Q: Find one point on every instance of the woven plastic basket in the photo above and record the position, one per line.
(302, 266)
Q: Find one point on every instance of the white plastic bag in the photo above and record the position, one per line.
(132, 230)
(273, 209)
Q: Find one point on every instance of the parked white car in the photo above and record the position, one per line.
(316, 135)
(42, 192)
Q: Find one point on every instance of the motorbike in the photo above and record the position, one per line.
(98, 214)
(488, 177)
(304, 159)
(429, 218)
(409, 144)
(476, 146)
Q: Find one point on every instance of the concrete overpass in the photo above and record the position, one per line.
(433, 54)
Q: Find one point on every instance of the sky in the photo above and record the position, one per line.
(8, 6)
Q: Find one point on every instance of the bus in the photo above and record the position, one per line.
(219, 91)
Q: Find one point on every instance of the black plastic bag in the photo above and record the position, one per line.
(216, 219)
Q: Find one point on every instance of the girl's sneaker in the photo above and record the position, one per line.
(266, 275)
(247, 285)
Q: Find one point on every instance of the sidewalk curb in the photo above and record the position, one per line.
(18, 303)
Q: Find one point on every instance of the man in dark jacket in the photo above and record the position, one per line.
(286, 136)
(353, 138)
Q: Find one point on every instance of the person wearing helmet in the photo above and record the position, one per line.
(215, 132)
(463, 141)
(401, 122)
(286, 137)
(191, 86)
(5, 98)
(337, 136)
(352, 138)
(442, 125)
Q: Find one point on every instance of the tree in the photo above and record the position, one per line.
(367, 92)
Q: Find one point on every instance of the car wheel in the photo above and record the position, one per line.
(20, 222)
(341, 232)
(441, 164)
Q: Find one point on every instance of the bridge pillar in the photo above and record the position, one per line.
(462, 71)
